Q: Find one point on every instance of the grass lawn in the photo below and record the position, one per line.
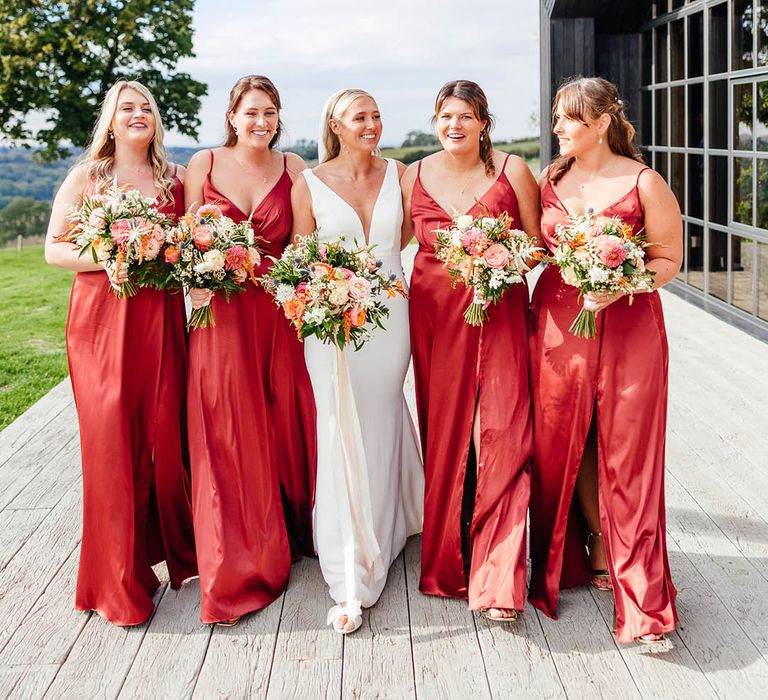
(33, 310)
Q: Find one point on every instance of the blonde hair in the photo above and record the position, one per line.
(589, 98)
(243, 86)
(100, 152)
(329, 145)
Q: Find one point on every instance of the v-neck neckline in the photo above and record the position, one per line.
(477, 201)
(594, 213)
(366, 236)
(246, 217)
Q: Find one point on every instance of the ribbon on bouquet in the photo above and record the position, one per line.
(355, 474)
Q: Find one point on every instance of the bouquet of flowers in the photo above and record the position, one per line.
(331, 292)
(487, 255)
(210, 251)
(600, 254)
(120, 227)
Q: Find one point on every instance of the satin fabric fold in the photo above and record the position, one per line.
(127, 364)
(456, 365)
(622, 374)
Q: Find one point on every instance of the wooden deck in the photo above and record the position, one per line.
(413, 646)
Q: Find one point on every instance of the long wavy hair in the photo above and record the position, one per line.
(585, 99)
(100, 152)
(243, 86)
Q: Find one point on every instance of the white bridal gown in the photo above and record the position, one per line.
(370, 480)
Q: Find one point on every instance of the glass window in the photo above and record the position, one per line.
(696, 45)
(696, 116)
(694, 256)
(695, 186)
(762, 193)
(661, 54)
(718, 38)
(661, 118)
(677, 49)
(677, 176)
(742, 251)
(762, 280)
(742, 117)
(741, 56)
(678, 116)
(676, 3)
(761, 115)
(660, 165)
(718, 117)
(718, 189)
(647, 51)
(646, 117)
(681, 275)
(742, 190)
(762, 33)
(718, 264)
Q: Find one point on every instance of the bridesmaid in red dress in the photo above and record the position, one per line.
(251, 410)
(600, 404)
(472, 389)
(127, 363)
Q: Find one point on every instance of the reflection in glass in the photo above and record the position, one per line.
(741, 56)
(718, 189)
(647, 49)
(762, 193)
(718, 38)
(660, 165)
(718, 114)
(646, 117)
(676, 3)
(696, 45)
(661, 118)
(661, 53)
(677, 177)
(742, 190)
(678, 116)
(694, 255)
(762, 280)
(718, 264)
(761, 29)
(677, 49)
(695, 186)
(742, 117)
(696, 116)
(761, 115)
(742, 252)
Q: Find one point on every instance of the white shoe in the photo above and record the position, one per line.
(352, 611)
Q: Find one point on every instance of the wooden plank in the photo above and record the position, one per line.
(239, 658)
(447, 658)
(377, 658)
(15, 528)
(517, 657)
(27, 575)
(35, 419)
(308, 654)
(100, 659)
(584, 650)
(173, 649)
(26, 681)
(49, 630)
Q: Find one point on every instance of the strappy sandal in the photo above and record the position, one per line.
(229, 623)
(352, 611)
(601, 578)
(511, 615)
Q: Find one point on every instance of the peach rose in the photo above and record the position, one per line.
(202, 236)
(497, 256)
(172, 255)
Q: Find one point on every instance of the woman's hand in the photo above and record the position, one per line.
(116, 278)
(597, 301)
(200, 297)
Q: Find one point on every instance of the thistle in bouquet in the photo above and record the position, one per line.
(208, 250)
(122, 229)
(603, 255)
(331, 292)
(487, 255)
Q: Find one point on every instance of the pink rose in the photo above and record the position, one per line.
(359, 287)
(322, 249)
(474, 241)
(120, 231)
(202, 236)
(235, 257)
(497, 256)
(610, 250)
(344, 273)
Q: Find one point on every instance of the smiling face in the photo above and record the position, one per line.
(359, 128)
(575, 137)
(133, 119)
(458, 127)
(255, 119)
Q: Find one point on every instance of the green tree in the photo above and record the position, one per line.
(59, 59)
(419, 138)
(23, 217)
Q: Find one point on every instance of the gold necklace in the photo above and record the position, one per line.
(248, 169)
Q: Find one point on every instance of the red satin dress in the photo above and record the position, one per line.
(127, 364)
(456, 365)
(622, 373)
(251, 432)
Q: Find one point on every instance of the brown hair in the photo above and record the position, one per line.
(473, 94)
(236, 94)
(589, 98)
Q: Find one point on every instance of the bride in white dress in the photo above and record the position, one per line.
(370, 480)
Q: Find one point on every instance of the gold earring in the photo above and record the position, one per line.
(600, 140)
(111, 134)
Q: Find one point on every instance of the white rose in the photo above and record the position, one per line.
(283, 293)
(213, 260)
(570, 277)
(598, 275)
(338, 295)
(456, 239)
(464, 222)
(315, 316)
(488, 223)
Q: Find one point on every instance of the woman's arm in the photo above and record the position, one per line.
(528, 199)
(407, 180)
(301, 202)
(194, 178)
(294, 164)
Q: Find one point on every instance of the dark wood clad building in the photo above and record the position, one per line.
(694, 76)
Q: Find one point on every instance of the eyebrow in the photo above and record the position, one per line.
(129, 103)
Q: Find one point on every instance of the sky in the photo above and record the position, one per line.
(401, 51)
